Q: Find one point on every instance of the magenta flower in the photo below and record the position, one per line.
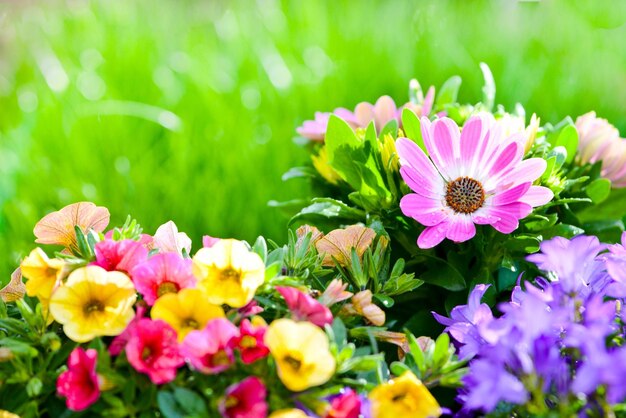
(250, 342)
(245, 399)
(120, 255)
(345, 405)
(304, 308)
(473, 177)
(152, 349)
(79, 384)
(163, 273)
(210, 350)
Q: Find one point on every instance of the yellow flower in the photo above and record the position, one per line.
(185, 311)
(7, 414)
(389, 154)
(42, 273)
(320, 162)
(301, 352)
(288, 413)
(405, 396)
(93, 302)
(228, 272)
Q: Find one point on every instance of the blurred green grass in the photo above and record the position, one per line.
(185, 110)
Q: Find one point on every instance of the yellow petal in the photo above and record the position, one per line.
(405, 396)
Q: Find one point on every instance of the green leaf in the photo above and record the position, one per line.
(190, 402)
(398, 368)
(489, 88)
(168, 405)
(272, 270)
(417, 353)
(442, 350)
(443, 274)
(563, 230)
(448, 92)
(344, 149)
(324, 209)
(599, 190)
(385, 300)
(339, 332)
(568, 139)
(362, 363)
(260, 247)
(390, 128)
(299, 172)
(412, 127)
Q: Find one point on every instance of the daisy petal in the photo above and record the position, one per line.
(428, 212)
(432, 188)
(432, 236)
(461, 228)
(412, 155)
(537, 196)
(510, 195)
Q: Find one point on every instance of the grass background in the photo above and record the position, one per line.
(185, 110)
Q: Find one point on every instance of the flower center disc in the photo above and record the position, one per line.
(465, 195)
(93, 306)
(166, 287)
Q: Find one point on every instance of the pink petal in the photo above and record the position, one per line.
(512, 153)
(472, 136)
(412, 155)
(432, 188)
(384, 111)
(527, 170)
(432, 236)
(364, 113)
(483, 216)
(461, 228)
(443, 147)
(428, 212)
(509, 216)
(510, 195)
(427, 106)
(537, 196)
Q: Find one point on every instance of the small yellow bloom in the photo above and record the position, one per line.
(320, 162)
(7, 414)
(228, 272)
(43, 274)
(93, 302)
(185, 311)
(405, 396)
(288, 413)
(389, 154)
(301, 352)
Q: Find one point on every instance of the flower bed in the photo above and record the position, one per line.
(430, 215)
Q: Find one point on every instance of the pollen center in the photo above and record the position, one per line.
(230, 273)
(166, 287)
(294, 363)
(93, 306)
(465, 195)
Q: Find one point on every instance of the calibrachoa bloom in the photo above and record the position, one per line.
(245, 399)
(301, 352)
(43, 274)
(185, 311)
(405, 396)
(250, 342)
(304, 308)
(229, 272)
(79, 384)
(93, 302)
(210, 350)
(472, 177)
(161, 274)
(121, 255)
(338, 244)
(289, 413)
(152, 349)
(345, 405)
(168, 239)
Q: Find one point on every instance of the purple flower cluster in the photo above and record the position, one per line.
(557, 341)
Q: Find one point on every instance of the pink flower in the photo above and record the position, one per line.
(167, 239)
(120, 255)
(316, 129)
(209, 241)
(304, 308)
(251, 309)
(250, 342)
(245, 399)
(152, 349)
(345, 405)
(210, 350)
(335, 292)
(473, 177)
(163, 273)
(79, 384)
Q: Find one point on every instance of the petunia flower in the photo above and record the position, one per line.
(405, 396)
(338, 244)
(93, 302)
(185, 311)
(335, 292)
(362, 305)
(15, 289)
(250, 342)
(122, 255)
(289, 413)
(304, 308)
(152, 349)
(162, 273)
(42, 273)
(473, 177)
(210, 350)
(168, 239)
(245, 399)
(228, 272)
(301, 352)
(80, 384)
(209, 241)
(57, 228)
(347, 404)
(119, 342)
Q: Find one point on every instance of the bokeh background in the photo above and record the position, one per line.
(186, 110)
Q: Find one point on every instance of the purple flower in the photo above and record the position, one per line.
(464, 321)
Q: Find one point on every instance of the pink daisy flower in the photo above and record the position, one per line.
(80, 384)
(163, 273)
(245, 399)
(152, 349)
(470, 177)
(210, 350)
